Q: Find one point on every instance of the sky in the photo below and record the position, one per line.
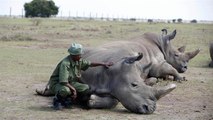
(143, 9)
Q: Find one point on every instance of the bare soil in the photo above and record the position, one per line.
(191, 100)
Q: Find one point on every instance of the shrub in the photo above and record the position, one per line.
(193, 21)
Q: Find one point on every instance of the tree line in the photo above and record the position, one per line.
(47, 8)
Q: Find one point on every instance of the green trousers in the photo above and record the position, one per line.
(64, 91)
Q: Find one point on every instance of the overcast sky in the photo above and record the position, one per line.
(147, 9)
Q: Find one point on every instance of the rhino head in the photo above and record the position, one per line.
(129, 88)
(177, 58)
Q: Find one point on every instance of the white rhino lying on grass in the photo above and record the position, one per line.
(120, 83)
(157, 51)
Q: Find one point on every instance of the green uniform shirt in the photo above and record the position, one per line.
(68, 71)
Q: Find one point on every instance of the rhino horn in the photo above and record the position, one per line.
(190, 55)
(182, 49)
(170, 36)
(160, 92)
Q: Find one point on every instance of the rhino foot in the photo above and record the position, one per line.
(180, 79)
(98, 102)
(91, 101)
(151, 81)
(184, 79)
(45, 92)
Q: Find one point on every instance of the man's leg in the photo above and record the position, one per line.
(83, 93)
(62, 97)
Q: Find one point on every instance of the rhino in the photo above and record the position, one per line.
(166, 60)
(124, 81)
(211, 54)
(121, 82)
(157, 50)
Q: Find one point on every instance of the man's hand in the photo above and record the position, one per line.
(74, 96)
(73, 91)
(107, 65)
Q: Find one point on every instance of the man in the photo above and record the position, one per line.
(65, 80)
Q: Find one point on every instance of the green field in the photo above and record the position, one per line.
(30, 52)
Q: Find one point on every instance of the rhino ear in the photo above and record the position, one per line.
(131, 60)
(182, 49)
(170, 36)
(190, 55)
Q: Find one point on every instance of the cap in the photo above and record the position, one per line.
(75, 49)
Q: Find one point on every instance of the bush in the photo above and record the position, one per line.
(132, 19)
(193, 21)
(150, 21)
(174, 20)
(179, 20)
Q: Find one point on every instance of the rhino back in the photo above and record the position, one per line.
(115, 51)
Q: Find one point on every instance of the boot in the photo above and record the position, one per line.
(84, 97)
(67, 102)
(57, 102)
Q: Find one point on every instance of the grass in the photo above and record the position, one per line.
(40, 47)
(92, 33)
(26, 63)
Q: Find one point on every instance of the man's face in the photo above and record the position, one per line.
(76, 57)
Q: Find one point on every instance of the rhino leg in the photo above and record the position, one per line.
(211, 64)
(167, 69)
(45, 92)
(99, 102)
(151, 81)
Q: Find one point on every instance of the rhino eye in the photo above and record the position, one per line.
(134, 84)
(176, 55)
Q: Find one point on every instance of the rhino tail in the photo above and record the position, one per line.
(46, 93)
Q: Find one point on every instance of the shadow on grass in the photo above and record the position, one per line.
(44, 104)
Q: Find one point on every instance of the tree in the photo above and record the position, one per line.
(40, 8)
(173, 20)
(193, 21)
(180, 20)
(150, 21)
(132, 19)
